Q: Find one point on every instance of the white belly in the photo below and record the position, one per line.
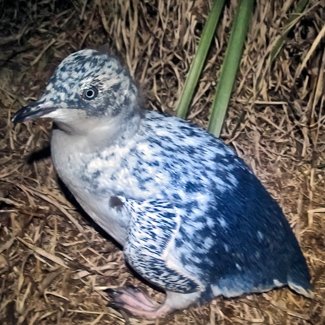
(68, 162)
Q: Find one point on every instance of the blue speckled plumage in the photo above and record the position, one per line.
(191, 216)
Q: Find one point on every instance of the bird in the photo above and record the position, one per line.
(192, 218)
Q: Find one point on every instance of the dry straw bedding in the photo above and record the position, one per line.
(54, 262)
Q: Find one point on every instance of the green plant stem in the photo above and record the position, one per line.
(230, 66)
(199, 59)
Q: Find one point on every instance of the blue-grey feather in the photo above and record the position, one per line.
(190, 214)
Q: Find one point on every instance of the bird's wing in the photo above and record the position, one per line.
(150, 247)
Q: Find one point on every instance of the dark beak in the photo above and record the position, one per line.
(31, 112)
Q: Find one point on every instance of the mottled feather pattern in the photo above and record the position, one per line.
(150, 167)
(119, 91)
(222, 204)
(162, 162)
(148, 243)
(191, 216)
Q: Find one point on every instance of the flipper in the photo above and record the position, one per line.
(153, 228)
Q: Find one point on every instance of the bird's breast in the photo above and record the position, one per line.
(112, 170)
(92, 188)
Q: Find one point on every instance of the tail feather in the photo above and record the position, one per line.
(299, 278)
(305, 291)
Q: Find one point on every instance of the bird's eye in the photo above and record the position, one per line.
(90, 93)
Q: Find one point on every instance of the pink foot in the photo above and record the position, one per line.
(136, 302)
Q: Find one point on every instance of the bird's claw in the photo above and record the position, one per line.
(133, 301)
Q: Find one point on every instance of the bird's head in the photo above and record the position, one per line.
(89, 89)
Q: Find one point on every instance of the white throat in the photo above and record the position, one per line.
(91, 133)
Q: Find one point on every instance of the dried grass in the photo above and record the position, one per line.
(53, 263)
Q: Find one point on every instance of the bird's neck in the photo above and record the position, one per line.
(92, 135)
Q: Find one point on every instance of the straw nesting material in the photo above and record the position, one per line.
(54, 262)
